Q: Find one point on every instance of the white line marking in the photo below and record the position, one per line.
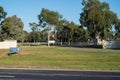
(6, 76)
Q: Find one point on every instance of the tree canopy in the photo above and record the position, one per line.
(65, 31)
(2, 13)
(51, 17)
(117, 30)
(12, 28)
(98, 18)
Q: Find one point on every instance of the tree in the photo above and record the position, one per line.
(80, 35)
(117, 28)
(51, 22)
(98, 19)
(25, 36)
(2, 13)
(62, 31)
(50, 17)
(34, 26)
(47, 17)
(34, 36)
(44, 35)
(70, 32)
(12, 28)
(2, 16)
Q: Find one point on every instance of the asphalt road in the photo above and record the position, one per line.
(22, 74)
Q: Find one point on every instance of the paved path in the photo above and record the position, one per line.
(22, 74)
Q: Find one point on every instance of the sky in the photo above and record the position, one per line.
(28, 10)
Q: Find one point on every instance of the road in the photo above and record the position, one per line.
(23, 74)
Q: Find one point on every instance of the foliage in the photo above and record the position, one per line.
(44, 35)
(12, 28)
(70, 32)
(63, 30)
(48, 20)
(2, 16)
(2, 13)
(117, 28)
(49, 17)
(25, 36)
(34, 37)
(98, 18)
(34, 26)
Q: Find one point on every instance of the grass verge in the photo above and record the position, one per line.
(61, 58)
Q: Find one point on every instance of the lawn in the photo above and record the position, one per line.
(61, 58)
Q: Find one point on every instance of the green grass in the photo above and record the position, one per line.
(62, 58)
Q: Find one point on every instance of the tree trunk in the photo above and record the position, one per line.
(96, 40)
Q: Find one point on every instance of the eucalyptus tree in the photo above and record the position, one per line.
(48, 18)
(63, 30)
(34, 27)
(2, 13)
(51, 17)
(117, 32)
(35, 35)
(98, 18)
(2, 16)
(70, 32)
(80, 35)
(12, 28)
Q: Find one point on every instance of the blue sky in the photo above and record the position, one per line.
(28, 10)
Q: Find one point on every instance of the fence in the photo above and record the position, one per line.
(33, 44)
(111, 44)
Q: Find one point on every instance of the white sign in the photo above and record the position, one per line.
(51, 42)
